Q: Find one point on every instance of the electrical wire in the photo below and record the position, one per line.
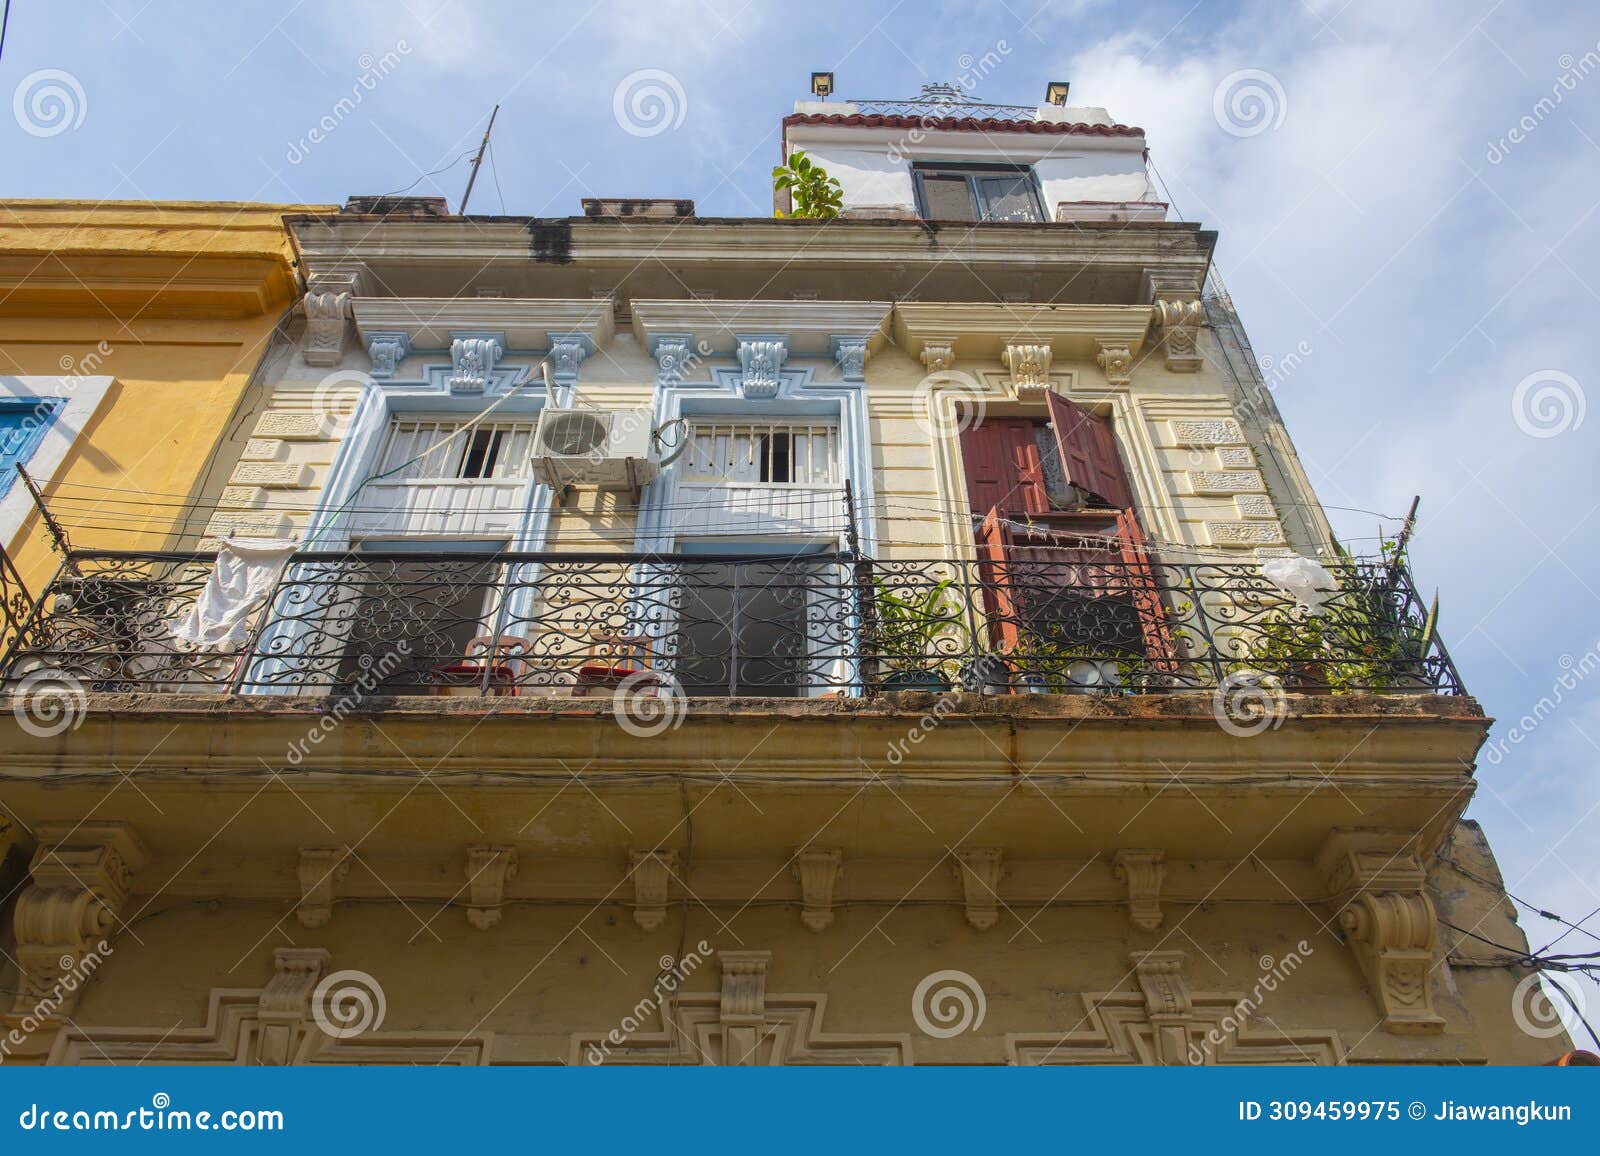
(1557, 963)
(111, 513)
(1533, 907)
(5, 22)
(494, 171)
(434, 173)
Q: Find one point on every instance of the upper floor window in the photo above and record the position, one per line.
(976, 193)
(437, 449)
(802, 453)
(23, 421)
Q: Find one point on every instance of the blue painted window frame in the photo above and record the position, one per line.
(44, 410)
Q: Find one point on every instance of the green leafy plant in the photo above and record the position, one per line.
(912, 621)
(1357, 642)
(816, 195)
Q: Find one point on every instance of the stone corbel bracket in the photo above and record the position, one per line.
(327, 309)
(818, 870)
(1377, 890)
(761, 358)
(1177, 312)
(652, 873)
(286, 1002)
(1115, 359)
(939, 354)
(387, 349)
(472, 360)
(81, 877)
(320, 870)
(675, 355)
(1179, 322)
(1168, 1004)
(1030, 370)
(850, 354)
(567, 352)
(979, 869)
(1144, 871)
(488, 870)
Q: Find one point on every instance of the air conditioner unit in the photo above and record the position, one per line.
(610, 449)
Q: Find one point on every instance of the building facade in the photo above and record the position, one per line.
(648, 638)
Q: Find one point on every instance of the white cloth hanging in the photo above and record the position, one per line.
(1308, 582)
(245, 573)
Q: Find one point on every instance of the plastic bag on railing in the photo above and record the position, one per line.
(1307, 582)
(246, 571)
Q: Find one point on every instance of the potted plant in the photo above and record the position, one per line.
(1355, 641)
(914, 620)
(1057, 666)
(816, 195)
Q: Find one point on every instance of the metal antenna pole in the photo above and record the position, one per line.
(57, 535)
(477, 161)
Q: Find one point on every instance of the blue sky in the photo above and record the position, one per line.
(1437, 280)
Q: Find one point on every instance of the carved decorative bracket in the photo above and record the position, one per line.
(472, 360)
(1179, 322)
(818, 871)
(939, 354)
(327, 307)
(673, 353)
(1115, 360)
(744, 1005)
(1030, 370)
(652, 873)
(387, 349)
(488, 869)
(850, 352)
(320, 870)
(567, 352)
(1165, 1022)
(1144, 871)
(742, 1024)
(81, 876)
(1377, 888)
(761, 362)
(979, 870)
(286, 1001)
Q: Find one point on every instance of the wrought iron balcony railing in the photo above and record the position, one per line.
(796, 626)
(937, 101)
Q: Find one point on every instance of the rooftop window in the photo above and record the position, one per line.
(977, 193)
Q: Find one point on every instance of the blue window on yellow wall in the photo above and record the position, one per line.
(23, 422)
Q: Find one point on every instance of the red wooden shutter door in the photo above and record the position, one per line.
(1001, 462)
(1146, 594)
(1000, 607)
(1089, 452)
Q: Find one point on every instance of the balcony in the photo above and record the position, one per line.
(804, 626)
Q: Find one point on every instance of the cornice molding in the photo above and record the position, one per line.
(526, 323)
(809, 326)
(325, 242)
(982, 331)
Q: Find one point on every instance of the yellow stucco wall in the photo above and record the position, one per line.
(174, 301)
